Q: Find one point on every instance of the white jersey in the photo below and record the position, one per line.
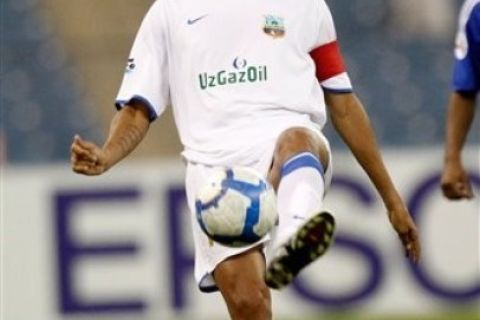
(236, 73)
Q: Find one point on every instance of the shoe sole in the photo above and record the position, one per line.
(310, 242)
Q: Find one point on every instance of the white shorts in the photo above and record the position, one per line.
(207, 254)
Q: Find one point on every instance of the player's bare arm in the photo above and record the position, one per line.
(352, 123)
(455, 182)
(127, 129)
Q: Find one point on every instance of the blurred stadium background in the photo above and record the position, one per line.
(61, 65)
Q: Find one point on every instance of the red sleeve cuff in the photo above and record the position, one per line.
(328, 61)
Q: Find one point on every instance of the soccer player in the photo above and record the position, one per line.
(248, 82)
(461, 108)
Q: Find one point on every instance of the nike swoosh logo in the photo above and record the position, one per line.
(192, 21)
(298, 217)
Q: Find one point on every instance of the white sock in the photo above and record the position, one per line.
(299, 195)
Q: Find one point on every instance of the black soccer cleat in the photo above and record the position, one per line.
(309, 243)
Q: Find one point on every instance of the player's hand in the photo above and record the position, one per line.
(407, 231)
(87, 158)
(455, 183)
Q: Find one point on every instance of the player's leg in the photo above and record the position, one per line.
(240, 279)
(304, 233)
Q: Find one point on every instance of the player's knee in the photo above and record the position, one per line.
(298, 140)
(293, 141)
(250, 302)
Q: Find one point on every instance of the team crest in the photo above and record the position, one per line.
(274, 26)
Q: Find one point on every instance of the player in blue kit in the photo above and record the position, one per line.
(249, 82)
(461, 108)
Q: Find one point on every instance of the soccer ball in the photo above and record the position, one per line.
(236, 207)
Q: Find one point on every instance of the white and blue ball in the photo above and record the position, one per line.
(236, 207)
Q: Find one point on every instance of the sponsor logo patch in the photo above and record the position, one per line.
(241, 72)
(130, 65)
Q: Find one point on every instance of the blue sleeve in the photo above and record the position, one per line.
(466, 75)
